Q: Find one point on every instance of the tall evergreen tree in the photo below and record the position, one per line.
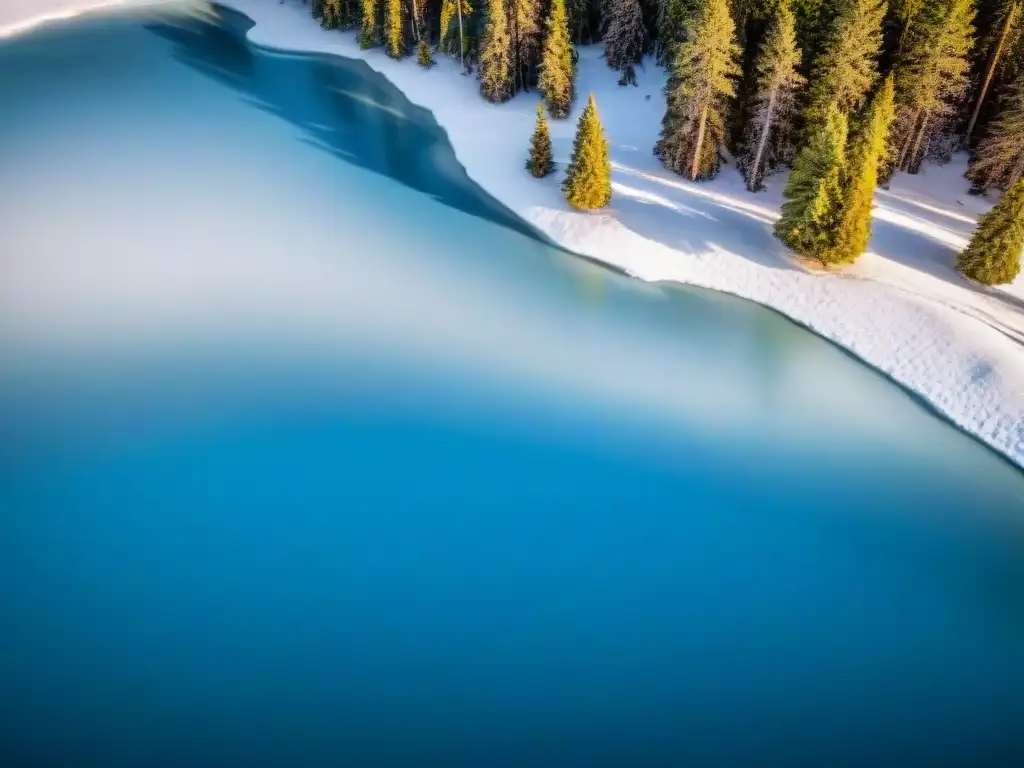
(624, 38)
(369, 31)
(845, 69)
(999, 159)
(587, 182)
(931, 76)
(814, 195)
(671, 23)
(496, 55)
(698, 92)
(394, 35)
(540, 163)
(868, 150)
(1008, 26)
(813, 19)
(526, 41)
(557, 70)
(457, 29)
(993, 255)
(331, 13)
(770, 125)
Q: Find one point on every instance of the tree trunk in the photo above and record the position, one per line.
(906, 144)
(695, 165)
(917, 141)
(414, 22)
(765, 129)
(993, 62)
(462, 46)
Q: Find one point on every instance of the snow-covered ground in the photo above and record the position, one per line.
(903, 308)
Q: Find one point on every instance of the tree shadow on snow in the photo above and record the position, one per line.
(343, 108)
(707, 216)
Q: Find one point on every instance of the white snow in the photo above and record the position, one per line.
(902, 308)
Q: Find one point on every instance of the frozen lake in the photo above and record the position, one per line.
(312, 454)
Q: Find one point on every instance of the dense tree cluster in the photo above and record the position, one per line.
(843, 92)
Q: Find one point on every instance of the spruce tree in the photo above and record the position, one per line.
(331, 12)
(423, 55)
(369, 31)
(813, 20)
(814, 194)
(999, 159)
(771, 121)
(457, 29)
(556, 65)
(931, 76)
(317, 8)
(993, 255)
(868, 150)
(1007, 31)
(671, 23)
(526, 41)
(496, 55)
(587, 182)
(845, 69)
(394, 35)
(540, 163)
(698, 92)
(624, 38)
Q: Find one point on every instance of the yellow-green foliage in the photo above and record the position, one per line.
(867, 151)
(394, 39)
(556, 67)
(369, 31)
(496, 55)
(587, 182)
(814, 194)
(540, 162)
(993, 255)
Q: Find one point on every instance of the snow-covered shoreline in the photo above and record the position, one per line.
(902, 309)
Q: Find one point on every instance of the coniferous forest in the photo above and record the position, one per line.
(843, 93)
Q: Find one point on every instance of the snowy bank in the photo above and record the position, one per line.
(903, 308)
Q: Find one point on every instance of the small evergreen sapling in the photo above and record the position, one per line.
(540, 163)
(423, 55)
(993, 255)
(587, 182)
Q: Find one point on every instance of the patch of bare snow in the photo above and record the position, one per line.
(903, 308)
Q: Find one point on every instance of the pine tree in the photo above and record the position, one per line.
(369, 32)
(814, 195)
(999, 159)
(845, 69)
(556, 66)
(331, 13)
(671, 23)
(317, 8)
(931, 76)
(540, 163)
(624, 38)
(772, 115)
(394, 37)
(698, 91)
(813, 19)
(868, 150)
(587, 182)
(526, 41)
(1008, 17)
(496, 55)
(456, 29)
(993, 255)
(423, 55)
